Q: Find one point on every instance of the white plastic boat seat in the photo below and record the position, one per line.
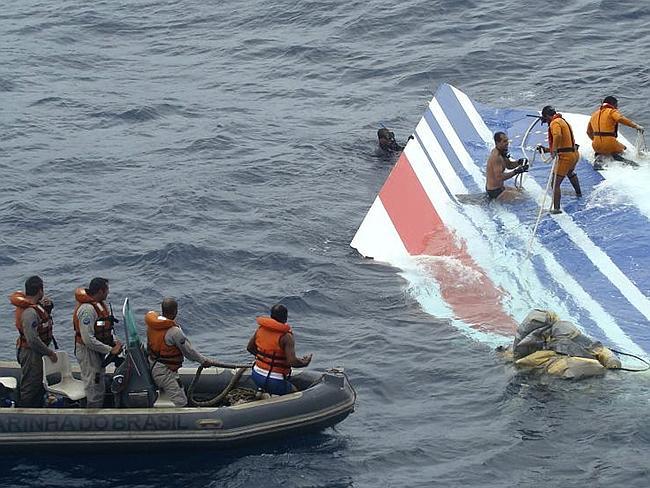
(9, 382)
(163, 401)
(68, 386)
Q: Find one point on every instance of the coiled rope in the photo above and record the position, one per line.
(241, 368)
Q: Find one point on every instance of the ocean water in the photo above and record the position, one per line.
(224, 153)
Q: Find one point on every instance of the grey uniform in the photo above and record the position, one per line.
(30, 390)
(169, 380)
(90, 355)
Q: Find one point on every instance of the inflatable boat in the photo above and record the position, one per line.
(322, 400)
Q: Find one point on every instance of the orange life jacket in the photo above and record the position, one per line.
(103, 327)
(44, 329)
(603, 122)
(567, 142)
(159, 350)
(270, 355)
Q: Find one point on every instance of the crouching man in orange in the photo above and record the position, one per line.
(275, 353)
(167, 345)
(603, 129)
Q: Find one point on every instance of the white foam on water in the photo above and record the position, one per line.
(626, 185)
(623, 185)
(426, 290)
(515, 277)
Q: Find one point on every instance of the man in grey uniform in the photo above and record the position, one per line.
(94, 338)
(34, 326)
(167, 345)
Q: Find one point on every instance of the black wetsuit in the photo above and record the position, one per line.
(494, 194)
(390, 148)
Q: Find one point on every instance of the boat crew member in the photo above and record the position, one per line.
(561, 144)
(498, 162)
(603, 129)
(34, 324)
(94, 339)
(167, 345)
(275, 353)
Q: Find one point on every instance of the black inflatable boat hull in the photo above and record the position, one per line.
(324, 400)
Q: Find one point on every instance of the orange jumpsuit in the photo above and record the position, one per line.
(603, 129)
(560, 139)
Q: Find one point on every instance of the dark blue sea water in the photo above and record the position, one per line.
(223, 153)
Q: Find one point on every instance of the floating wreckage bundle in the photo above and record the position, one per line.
(547, 345)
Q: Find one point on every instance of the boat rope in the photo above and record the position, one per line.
(640, 145)
(519, 181)
(621, 353)
(212, 402)
(550, 184)
(525, 138)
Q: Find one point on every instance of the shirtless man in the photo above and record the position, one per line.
(496, 173)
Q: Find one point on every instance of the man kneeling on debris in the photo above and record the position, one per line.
(546, 344)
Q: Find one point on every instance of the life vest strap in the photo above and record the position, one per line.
(606, 134)
(166, 360)
(567, 149)
(273, 356)
(274, 363)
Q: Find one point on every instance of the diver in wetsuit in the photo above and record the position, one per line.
(387, 143)
(498, 162)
